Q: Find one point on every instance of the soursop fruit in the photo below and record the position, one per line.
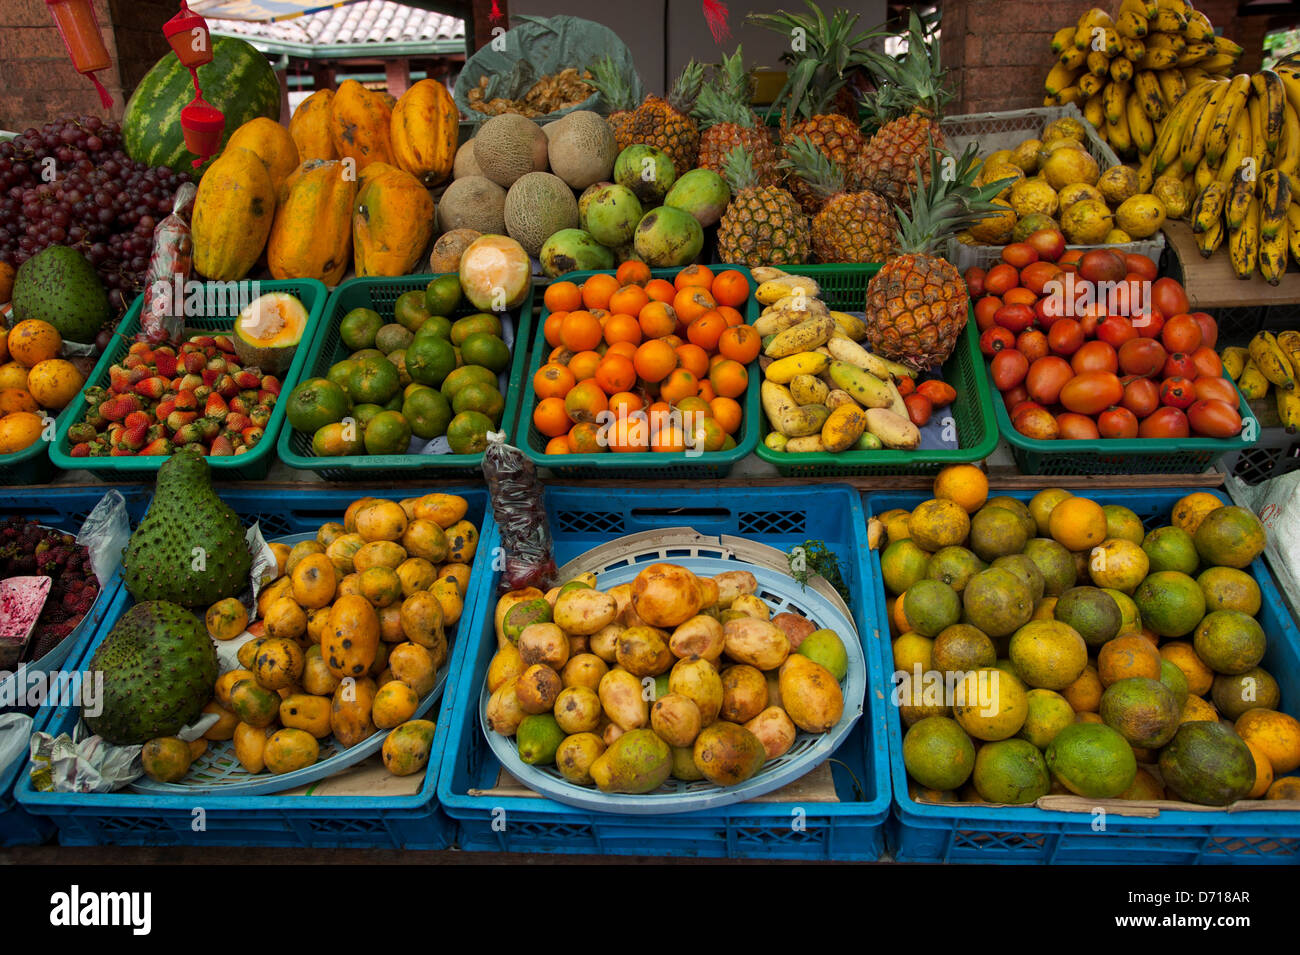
(159, 666)
(190, 548)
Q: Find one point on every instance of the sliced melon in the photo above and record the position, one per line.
(268, 331)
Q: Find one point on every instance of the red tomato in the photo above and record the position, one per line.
(1118, 422)
(1177, 392)
(1168, 297)
(1115, 330)
(1209, 328)
(1020, 296)
(1141, 395)
(1214, 419)
(1038, 275)
(994, 339)
(1000, 278)
(1065, 337)
(1008, 369)
(1032, 344)
(1015, 317)
(1178, 365)
(1013, 396)
(1164, 423)
(985, 309)
(1142, 356)
(1217, 388)
(1095, 356)
(1181, 333)
(975, 281)
(1036, 423)
(1019, 254)
(1076, 427)
(1092, 392)
(1141, 265)
(1046, 378)
(919, 409)
(1207, 362)
(1149, 324)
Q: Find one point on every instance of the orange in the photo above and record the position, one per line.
(732, 316)
(730, 287)
(560, 355)
(553, 380)
(623, 403)
(626, 349)
(655, 360)
(562, 296)
(668, 439)
(629, 300)
(585, 401)
(1128, 656)
(727, 412)
(629, 435)
(551, 328)
(615, 373)
(584, 364)
(622, 328)
(1277, 734)
(657, 320)
(694, 275)
(580, 331)
(715, 359)
(1263, 771)
(19, 430)
(596, 291)
(1084, 694)
(632, 272)
(729, 378)
(673, 341)
(898, 618)
(586, 438)
(706, 330)
(964, 483)
(1078, 523)
(706, 390)
(1182, 654)
(559, 445)
(660, 290)
(679, 384)
(1192, 509)
(691, 302)
(550, 418)
(694, 359)
(17, 399)
(34, 341)
(740, 343)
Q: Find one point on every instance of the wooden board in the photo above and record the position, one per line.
(1211, 284)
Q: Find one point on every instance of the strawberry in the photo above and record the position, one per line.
(111, 411)
(226, 386)
(188, 434)
(137, 375)
(157, 446)
(224, 343)
(209, 428)
(134, 360)
(260, 415)
(217, 364)
(186, 400)
(188, 383)
(237, 421)
(151, 387)
(216, 407)
(140, 348)
(134, 438)
(239, 405)
(251, 435)
(119, 452)
(136, 418)
(271, 383)
(81, 432)
(246, 379)
(179, 419)
(210, 375)
(194, 362)
(221, 446)
(80, 450)
(267, 398)
(204, 341)
(117, 379)
(201, 393)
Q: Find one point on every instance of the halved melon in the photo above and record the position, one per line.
(495, 273)
(268, 332)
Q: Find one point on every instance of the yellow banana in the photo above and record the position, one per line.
(1208, 207)
(1193, 53)
(1252, 382)
(1272, 254)
(1157, 59)
(1133, 50)
(1289, 342)
(1147, 89)
(1241, 193)
(1271, 360)
(1208, 242)
(1225, 47)
(1293, 230)
(1234, 360)
(1194, 76)
(1216, 141)
(1267, 86)
(1112, 101)
(1092, 111)
(1121, 69)
(1131, 25)
(1287, 157)
(1051, 99)
(1243, 246)
(1291, 86)
(1288, 409)
(1096, 17)
(1198, 126)
(1167, 21)
(1089, 85)
(1097, 63)
(1062, 38)
(1259, 156)
(1172, 86)
(1239, 147)
(1145, 176)
(1112, 43)
(1198, 27)
(1218, 64)
(1058, 78)
(1071, 94)
(1204, 176)
(1274, 200)
(1146, 9)
(1170, 136)
(1119, 135)
(1161, 41)
(1073, 59)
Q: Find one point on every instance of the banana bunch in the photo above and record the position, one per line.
(1237, 143)
(1269, 360)
(1126, 73)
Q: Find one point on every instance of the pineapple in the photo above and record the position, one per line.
(763, 225)
(850, 226)
(666, 123)
(615, 91)
(723, 110)
(909, 98)
(917, 303)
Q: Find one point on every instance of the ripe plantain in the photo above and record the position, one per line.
(1234, 360)
(1271, 361)
(1243, 245)
(1252, 382)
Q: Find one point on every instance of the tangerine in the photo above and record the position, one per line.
(633, 272)
(550, 418)
(553, 380)
(727, 412)
(580, 331)
(598, 289)
(559, 445)
(562, 296)
(551, 328)
(691, 302)
(584, 364)
(732, 316)
(660, 290)
(740, 343)
(655, 360)
(623, 403)
(700, 276)
(586, 437)
(629, 300)
(679, 384)
(706, 330)
(730, 287)
(1078, 523)
(657, 320)
(626, 349)
(585, 401)
(729, 378)
(694, 359)
(622, 328)
(615, 373)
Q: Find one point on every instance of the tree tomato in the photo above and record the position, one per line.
(1214, 418)
(1177, 392)
(1095, 356)
(1164, 423)
(1091, 392)
(1008, 369)
(1117, 422)
(1142, 356)
(1047, 377)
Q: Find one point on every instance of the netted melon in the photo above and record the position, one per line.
(537, 206)
(464, 164)
(473, 203)
(582, 149)
(509, 146)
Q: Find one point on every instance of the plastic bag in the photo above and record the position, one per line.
(542, 46)
(516, 496)
(162, 314)
(87, 765)
(105, 534)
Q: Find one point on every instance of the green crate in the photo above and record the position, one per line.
(844, 289)
(381, 294)
(220, 315)
(1125, 455)
(648, 464)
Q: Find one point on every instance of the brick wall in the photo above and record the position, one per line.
(137, 30)
(998, 55)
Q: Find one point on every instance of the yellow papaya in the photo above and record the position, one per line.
(393, 222)
(361, 125)
(311, 236)
(234, 213)
(312, 127)
(424, 129)
(272, 144)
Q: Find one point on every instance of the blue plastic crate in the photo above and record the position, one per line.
(924, 832)
(65, 508)
(580, 520)
(390, 822)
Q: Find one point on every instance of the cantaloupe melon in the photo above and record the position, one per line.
(473, 203)
(509, 146)
(447, 251)
(464, 164)
(268, 331)
(582, 149)
(538, 205)
(495, 273)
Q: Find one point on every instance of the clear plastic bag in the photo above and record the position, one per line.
(162, 314)
(520, 513)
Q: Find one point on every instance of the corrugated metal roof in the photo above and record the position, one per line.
(369, 22)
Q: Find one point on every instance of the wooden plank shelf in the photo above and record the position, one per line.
(1211, 284)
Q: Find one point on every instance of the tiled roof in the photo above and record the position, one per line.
(372, 21)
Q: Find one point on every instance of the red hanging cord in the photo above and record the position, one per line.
(715, 14)
(496, 11)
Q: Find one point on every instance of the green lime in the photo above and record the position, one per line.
(375, 380)
(410, 310)
(1171, 548)
(359, 327)
(442, 295)
(1011, 771)
(341, 371)
(484, 398)
(467, 432)
(315, 403)
(429, 360)
(472, 324)
(428, 412)
(931, 606)
(482, 348)
(438, 326)
(388, 433)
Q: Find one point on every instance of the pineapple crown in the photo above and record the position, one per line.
(725, 99)
(822, 174)
(950, 202)
(911, 83)
(738, 170)
(686, 88)
(612, 84)
(832, 51)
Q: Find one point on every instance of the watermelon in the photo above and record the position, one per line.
(239, 81)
